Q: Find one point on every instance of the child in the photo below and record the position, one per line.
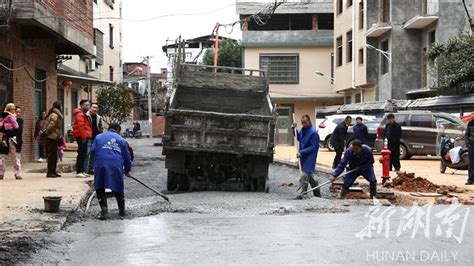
(61, 148)
(9, 123)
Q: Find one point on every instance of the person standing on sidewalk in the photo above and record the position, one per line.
(10, 127)
(360, 130)
(308, 138)
(338, 139)
(53, 135)
(97, 128)
(113, 161)
(41, 124)
(470, 143)
(393, 134)
(82, 132)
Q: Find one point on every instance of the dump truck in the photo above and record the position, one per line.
(219, 129)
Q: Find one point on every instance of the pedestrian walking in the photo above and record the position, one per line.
(40, 125)
(393, 134)
(97, 128)
(9, 141)
(470, 143)
(308, 139)
(360, 130)
(112, 162)
(360, 158)
(53, 135)
(61, 148)
(82, 132)
(338, 139)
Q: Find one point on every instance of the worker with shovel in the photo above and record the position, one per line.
(360, 161)
(112, 162)
(308, 139)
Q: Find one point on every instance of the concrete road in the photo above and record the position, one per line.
(322, 238)
(258, 228)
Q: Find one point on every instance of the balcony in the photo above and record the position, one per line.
(378, 30)
(420, 22)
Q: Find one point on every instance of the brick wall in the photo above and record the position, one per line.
(77, 13)
(38, 55)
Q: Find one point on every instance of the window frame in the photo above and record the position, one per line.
(339, 51)
(361, 56)
(349, 46)
(339, 7)
(296, 55)
(361, 15)
(384, 63)
(111, 36)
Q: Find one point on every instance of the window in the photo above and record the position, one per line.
(402, 119)
(349, 3)
(339, 51)
(348, 99)
(361, 14)
(339, 6)
(284, 22)
(111, 36)
(135, 86)
(349, 46)
(385, 11)
(358, 98)
(361, 56)
(95, 1)
(281, 69)
(111, 73)
(432, 37)
(332, 67)
(326, 21)
(384, 64)
(421, 121)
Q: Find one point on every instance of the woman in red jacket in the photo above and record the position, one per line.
(82, 132)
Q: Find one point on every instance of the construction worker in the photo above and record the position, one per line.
(361, 158)
(308, 138)
(112, 161)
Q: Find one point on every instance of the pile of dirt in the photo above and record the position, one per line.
(409, 183)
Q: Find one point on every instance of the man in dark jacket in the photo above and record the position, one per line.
(470, 144)
(97, 128)
(361, 158)
(360, 130)
(393, 134)
(338, 139)
(113, 161)
(308, 138)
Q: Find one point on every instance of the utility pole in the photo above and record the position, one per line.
(150, 113)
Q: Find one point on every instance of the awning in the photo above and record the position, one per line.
(67, 73)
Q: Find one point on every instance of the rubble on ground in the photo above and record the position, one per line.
(445, 190)
(409, 183)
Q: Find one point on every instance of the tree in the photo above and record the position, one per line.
(230, 54)
(115, 103)
(454, 64)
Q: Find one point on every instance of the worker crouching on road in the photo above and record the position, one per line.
(308, 152)
(112, 161)
(361, 158)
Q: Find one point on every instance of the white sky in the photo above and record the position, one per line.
(147, 37)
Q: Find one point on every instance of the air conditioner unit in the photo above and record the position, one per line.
(90, 64)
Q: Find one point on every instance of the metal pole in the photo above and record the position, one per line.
(150, 113)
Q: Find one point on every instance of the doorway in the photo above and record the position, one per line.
(284, 136)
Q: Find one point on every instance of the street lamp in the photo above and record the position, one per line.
(319, 73)
(384, 53)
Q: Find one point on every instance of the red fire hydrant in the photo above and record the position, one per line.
(385, 161)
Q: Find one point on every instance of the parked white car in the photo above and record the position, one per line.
(327, 126)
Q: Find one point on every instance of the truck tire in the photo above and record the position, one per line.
(183, 183)
(172, 181)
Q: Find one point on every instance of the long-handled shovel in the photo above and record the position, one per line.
(325, 183)
(152, 189)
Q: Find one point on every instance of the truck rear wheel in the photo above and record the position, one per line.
(172, 181)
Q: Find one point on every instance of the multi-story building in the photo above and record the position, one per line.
(294, 44)
(33, 35)
(380, 45)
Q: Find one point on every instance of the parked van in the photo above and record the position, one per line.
(421, 131)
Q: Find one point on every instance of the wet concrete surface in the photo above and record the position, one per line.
(232, 227)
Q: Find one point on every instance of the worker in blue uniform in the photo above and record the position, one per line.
(112, 162)
(360, 158)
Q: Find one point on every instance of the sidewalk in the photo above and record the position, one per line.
(22, 205)
(426, 167)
